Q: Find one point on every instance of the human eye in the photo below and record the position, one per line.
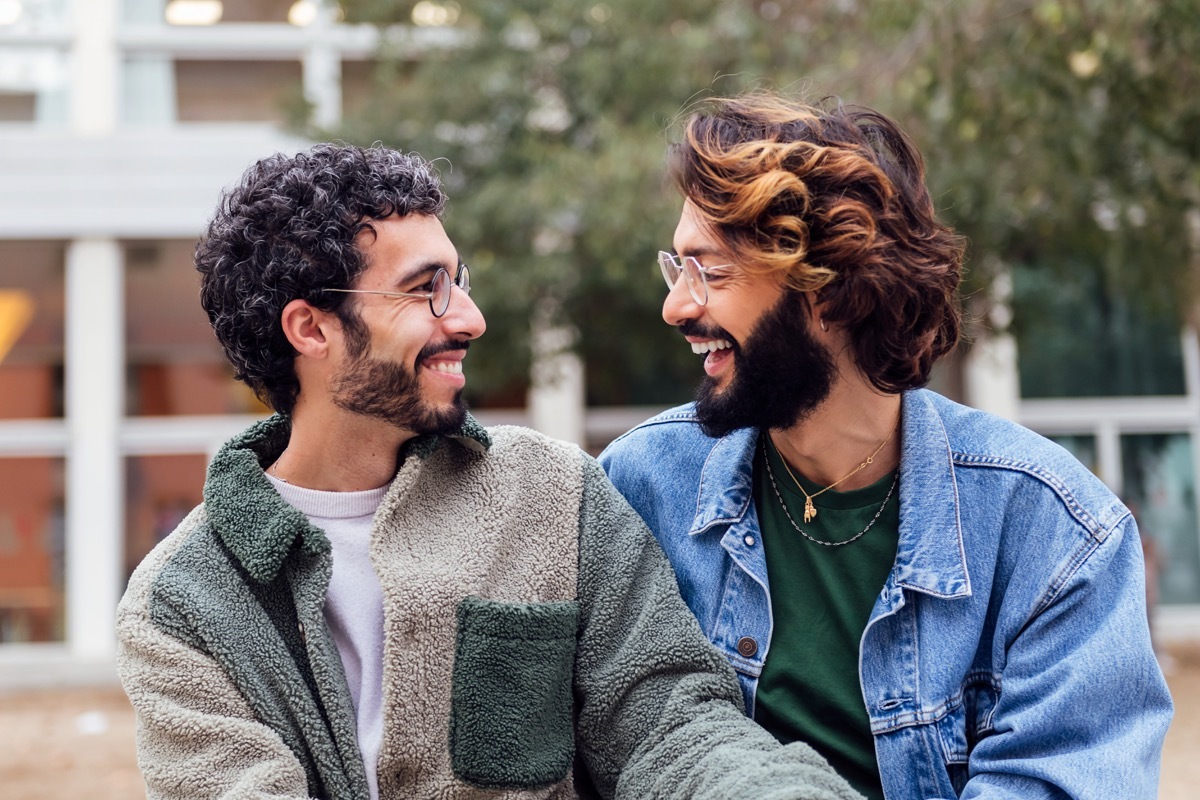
(425, 286)
(715, 275)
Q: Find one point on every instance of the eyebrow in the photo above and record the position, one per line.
(427, 268)
(700, 252)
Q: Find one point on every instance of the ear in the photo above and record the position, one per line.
(307, 328)
(816, 310)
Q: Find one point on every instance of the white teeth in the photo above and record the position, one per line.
(451, 367)
(700, 348)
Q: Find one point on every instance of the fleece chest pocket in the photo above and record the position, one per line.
(511, 720)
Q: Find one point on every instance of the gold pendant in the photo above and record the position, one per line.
(810, 511)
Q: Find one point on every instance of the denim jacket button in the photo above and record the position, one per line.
(747, 646)
(749, 540)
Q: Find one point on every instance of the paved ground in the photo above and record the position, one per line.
(78, 742)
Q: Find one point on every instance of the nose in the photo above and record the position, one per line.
(680, 306)
(463, 319)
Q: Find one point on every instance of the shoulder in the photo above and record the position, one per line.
(674, 423)
(135, 606)
(166, 550)
(673, 438)
(521, 462)
(519, 447)
(1007, 456)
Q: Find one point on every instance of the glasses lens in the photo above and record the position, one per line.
(695, 280)
(669, 266)
(463, 279)
(439, 299)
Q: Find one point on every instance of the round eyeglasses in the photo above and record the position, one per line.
(438, 297)
(695, 275)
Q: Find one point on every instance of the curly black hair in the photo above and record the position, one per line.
(287, 231)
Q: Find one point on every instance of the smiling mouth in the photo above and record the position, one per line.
(712, 345)
(448, 367)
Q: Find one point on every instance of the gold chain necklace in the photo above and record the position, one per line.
(810, 510)
(804, 533)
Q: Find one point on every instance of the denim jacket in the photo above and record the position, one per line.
(1008, 652)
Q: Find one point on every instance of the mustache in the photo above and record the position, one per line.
(693, 327)
(431, 350)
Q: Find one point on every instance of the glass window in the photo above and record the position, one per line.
(236, 91)
(31, 329)
(31, 550)
(218, 12)
(1076, 339)
(18, 106)
(1160, 489)
(359, 91)
(176, 366)
(159, 492)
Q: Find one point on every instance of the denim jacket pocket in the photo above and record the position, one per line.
(951, 733)
(511, 716)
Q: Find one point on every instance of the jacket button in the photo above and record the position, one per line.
(747, 646)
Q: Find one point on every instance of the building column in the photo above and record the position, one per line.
(94, 68)
(556, 392)
(992, 382)
(95, 382)
(322, 70)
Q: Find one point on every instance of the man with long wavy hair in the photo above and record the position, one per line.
(943, 603)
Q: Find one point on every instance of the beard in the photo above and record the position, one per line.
(389, 391)
(781, 373)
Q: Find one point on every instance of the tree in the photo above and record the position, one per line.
(1057, 134)
(1066, 138)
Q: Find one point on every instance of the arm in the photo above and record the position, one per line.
(1083, 706)
(197, 736)
(660, 709)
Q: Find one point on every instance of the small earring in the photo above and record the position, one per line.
(823, 326)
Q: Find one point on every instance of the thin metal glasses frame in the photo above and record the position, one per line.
(439, 298)
(695, 275)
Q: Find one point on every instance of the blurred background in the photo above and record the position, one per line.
(1063, 138)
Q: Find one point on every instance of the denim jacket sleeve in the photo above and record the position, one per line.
(1057, 731)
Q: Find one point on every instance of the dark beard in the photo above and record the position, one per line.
(781, 373)
(392, 392)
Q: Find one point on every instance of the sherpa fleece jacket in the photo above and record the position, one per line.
(535, 643)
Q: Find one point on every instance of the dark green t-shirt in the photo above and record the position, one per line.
(821, 598)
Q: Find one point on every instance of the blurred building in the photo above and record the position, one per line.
(120, 122)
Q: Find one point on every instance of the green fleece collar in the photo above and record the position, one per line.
(253, 521)
(471, 435)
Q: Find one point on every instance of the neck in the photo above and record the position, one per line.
(335, 451)
(841, 433)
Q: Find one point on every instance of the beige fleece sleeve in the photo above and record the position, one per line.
(197, 737)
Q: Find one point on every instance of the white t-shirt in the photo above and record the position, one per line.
(354, 602)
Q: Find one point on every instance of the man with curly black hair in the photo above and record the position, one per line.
(380, 598)
(941, 602)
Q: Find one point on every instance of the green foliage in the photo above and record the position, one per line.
(1056, 134)
(1067, 134)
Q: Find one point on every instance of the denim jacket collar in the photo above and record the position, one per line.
(727, 481)
(930, 556)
